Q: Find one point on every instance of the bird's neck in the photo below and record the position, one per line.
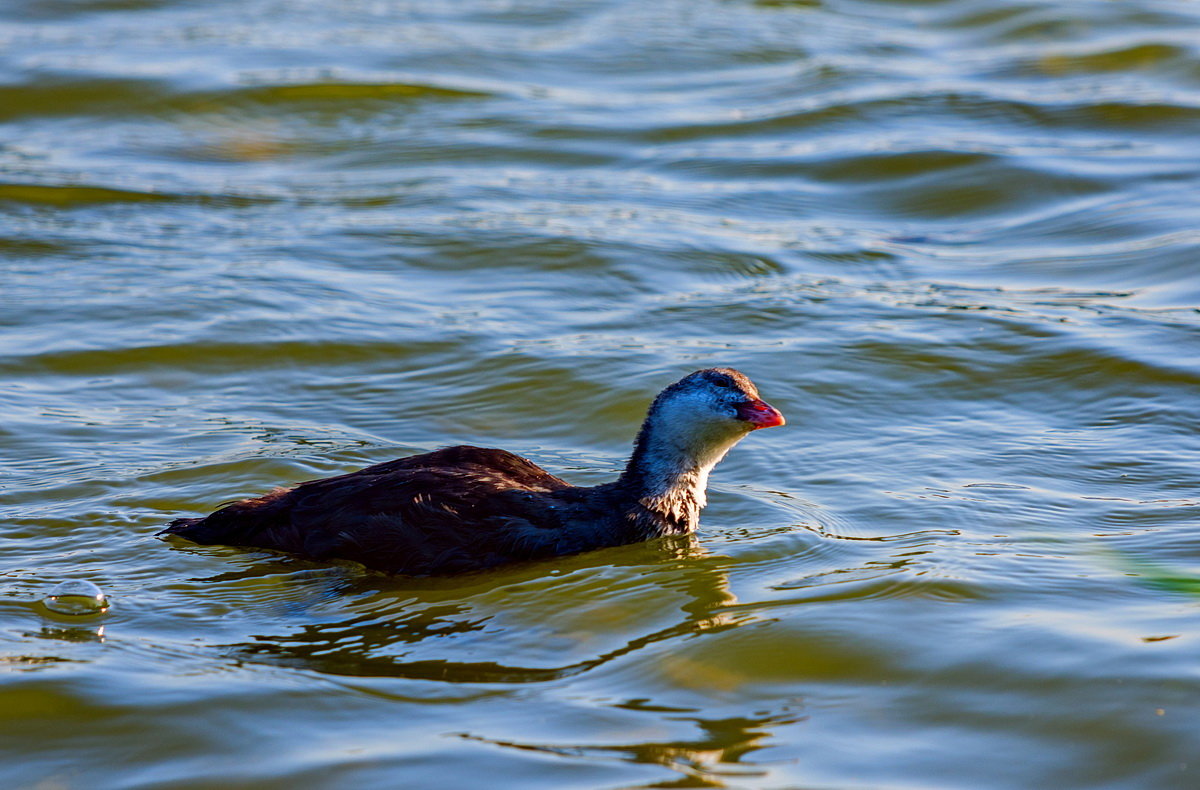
(667, 474)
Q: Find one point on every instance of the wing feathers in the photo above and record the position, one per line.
(451, 510)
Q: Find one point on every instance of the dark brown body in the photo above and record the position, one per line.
(453, 510)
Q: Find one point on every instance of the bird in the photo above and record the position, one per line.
(466, 508)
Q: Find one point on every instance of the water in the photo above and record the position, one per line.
(954, 241)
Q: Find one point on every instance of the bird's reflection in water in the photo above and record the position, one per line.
(389, 617)
(714, 758)
(386, 627)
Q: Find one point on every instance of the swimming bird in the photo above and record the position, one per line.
(467, 508)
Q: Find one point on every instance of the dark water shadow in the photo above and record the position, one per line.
(421, 609)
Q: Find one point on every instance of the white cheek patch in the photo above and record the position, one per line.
(696, 428)
(689, 430)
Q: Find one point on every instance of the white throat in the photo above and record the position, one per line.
(677, 455)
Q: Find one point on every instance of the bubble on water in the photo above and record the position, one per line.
(76, 597)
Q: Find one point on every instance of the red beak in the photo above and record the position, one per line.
(760, 414)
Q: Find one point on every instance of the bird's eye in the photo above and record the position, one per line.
(721, 380)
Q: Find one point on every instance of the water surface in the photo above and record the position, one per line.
(955, 241)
